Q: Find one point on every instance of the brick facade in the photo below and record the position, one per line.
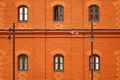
(74, 44)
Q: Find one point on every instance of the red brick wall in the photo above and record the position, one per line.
(41, 48)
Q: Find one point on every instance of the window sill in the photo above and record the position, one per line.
(94, 21)
(58, 21)
(22, 21)
(23, 70)
(58, 70)
(95, 71)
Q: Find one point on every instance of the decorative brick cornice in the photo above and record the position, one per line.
(117, 8)
(22, 51)
(2, 5)
(57, 51)
(116, 3)
(58, 25)
(22, 76)
(58, 2)
(2, 54)
(117, 57)
(22, 2)
(98, 52)
(96, 25)
(96, 76)
(93, 2)
(23, 26)
(58, 76)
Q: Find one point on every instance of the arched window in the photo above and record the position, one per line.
(58, 62)
(23, 62)
(93, 13)
(23, 13)
(94, 62)
(58, 13)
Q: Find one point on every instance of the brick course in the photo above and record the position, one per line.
(41, 47)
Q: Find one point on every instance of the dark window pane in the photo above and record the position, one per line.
(23, 13)
(58, 13)
(58, 62)
(96, 17)
(91, 10)
(96, 10)
(23, 62)
(93, 13)
(91, 17)
(94, 62)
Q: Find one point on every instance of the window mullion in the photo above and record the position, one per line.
(94, 62)
(23, 13)
(58, 13)
(23, 62)
(58, 62)
(93, 13)
(99, 63)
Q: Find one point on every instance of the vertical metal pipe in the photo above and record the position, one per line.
(83, 39)
(13, 49)
(45, 36)
(92, 47)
